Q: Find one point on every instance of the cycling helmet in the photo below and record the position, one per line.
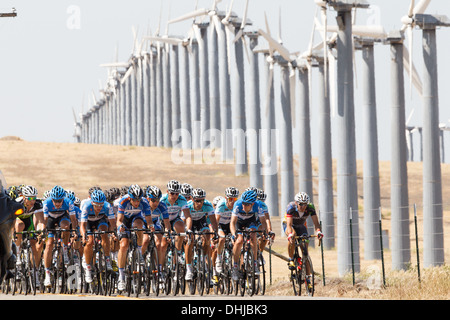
(186, 189)
(46, 194)
(109, 195)
(261, 195)
(173, 186)
(153, 192)
(29, 191)
(91, 189)
(77, 202)
(217, 199)
(231, 192)
(70, 196)
(302, 198)
(198, 193)
(249, 196)
(124, 190)
(57, 193)
(251, 189)
(98, 196)
(135, 191)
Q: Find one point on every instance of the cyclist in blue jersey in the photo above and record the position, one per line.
(244, 215)
(223, 211)
(96, 214)
(176, 204)
(267, 226)
(200, 209)
(131, 214)
(158, 211)
(58, 211)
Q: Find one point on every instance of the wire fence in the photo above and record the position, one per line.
(379, 243)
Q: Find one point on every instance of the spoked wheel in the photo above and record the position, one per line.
(261, 278)
(201, 270)
(308, 280)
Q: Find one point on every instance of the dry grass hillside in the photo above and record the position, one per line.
(80, 166)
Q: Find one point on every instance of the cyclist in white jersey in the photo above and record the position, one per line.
(176, 204)
(223, 213)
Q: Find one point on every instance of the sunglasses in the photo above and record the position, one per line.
(247, 204)
(57, 201)
(174, 193)
(153, 200)
(30, 198)
(232, 199)
(95, 204)
(199, 200)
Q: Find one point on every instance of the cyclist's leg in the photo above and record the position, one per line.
(19, 227)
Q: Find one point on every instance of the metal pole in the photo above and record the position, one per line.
(323, 260)
(371, 177)
(159, 97)
(147, 97)
(185, 99)
(175, 85)
(167, 99)
(204, 85)
(326, 197)
(399, 176)
(214, 92)
(253, 115)
(347, 188)
(195, 96)
(351, 247)
(433, 233)
(417, 242)
(381, 248)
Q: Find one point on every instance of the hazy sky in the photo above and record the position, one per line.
(51, 52)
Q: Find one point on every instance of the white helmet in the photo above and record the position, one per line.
(29, 191)
(302, 197)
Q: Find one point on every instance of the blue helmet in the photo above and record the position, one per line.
(249, 196)
(98, 196)
(71, 196)
(153, 192)
(57, 193)
(135, 191)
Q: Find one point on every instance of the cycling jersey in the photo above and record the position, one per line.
(206, 210)
(50, 210)
(88, 213)
(37, 207)
(223, 212)
(129, 211)
(175, 209)
(299, 218)
(264, 206)
(159, 213)
(238, 210)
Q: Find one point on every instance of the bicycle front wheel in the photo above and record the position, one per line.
(308, 279)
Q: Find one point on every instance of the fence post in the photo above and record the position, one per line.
(323, 262)
(417, 242)
(351, 248)
(382, 251)
(270, 262)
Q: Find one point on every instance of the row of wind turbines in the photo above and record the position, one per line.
(190, 93)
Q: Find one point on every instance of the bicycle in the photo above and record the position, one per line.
(224, 284)
(201, 266)
(298, 273)
(174, 268)
(101, 276)
(247, 279)
(25, 271)
(58, 267)
(151, 265)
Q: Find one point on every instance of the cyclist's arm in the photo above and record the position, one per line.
(233, 224)
(289, 228)
(268, 222)
(187, 215)
(212, 218)
(316, 222)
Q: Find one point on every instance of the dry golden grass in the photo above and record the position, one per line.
(80, 166)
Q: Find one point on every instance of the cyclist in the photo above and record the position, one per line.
(223, 212)
(267, 226)
(244, 215)
(32, 215)
(201, 209)
(158, 211)
(296, 214)
(186, 191)
(96, 214)
(113, 197)
(58, 211)
(216, 200)
(176, 204)
(131, 214)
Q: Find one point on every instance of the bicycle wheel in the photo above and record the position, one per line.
(296, 275)
(167, 284)
(250, 273)
(31, 272)
(261, 278)
(175, 273)
(17, 284)
(227, 265)
(208, 273)
(152, 276)
(309, 283)
(136, 273)
(201, 270)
